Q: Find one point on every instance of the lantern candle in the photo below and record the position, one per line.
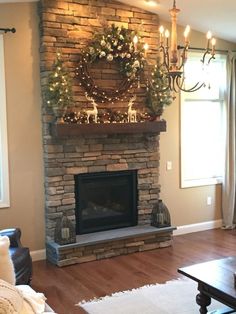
(160, 218)
(65, 233)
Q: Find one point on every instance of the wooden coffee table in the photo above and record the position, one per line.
(215, 280)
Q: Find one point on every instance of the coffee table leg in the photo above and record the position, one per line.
(204, 301)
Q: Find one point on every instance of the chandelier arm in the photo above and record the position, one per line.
(196, 87)
(183, 57)
(204, 56)
(165, 56)
(212, 57)
(180, 81)
(175, 83)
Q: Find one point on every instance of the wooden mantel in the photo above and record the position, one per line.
(64, 129)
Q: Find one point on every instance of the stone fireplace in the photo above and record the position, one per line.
(82, 154)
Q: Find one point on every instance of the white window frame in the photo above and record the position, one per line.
(4, 169)
(185, 181)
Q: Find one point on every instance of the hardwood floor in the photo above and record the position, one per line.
(66, 286)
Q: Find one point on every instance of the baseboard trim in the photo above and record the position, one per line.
(38, 255)
(202, 226)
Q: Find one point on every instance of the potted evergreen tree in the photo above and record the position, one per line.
(58, 92)
(158, 94)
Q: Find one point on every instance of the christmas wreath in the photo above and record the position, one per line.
(115, 43)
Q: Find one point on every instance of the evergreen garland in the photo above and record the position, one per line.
(58, 93)
(158, 94)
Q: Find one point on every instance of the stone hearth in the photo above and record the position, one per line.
(106, 244)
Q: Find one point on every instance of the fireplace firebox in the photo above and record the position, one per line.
(105, 201)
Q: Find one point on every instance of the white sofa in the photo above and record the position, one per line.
(22, 299)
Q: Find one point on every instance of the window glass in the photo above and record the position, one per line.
(203, 125)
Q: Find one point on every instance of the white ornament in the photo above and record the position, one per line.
(103, 43)
(93, 112)
(110, 57)
(132, 113)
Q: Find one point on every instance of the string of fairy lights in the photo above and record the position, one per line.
(115, 43)
(101, 94)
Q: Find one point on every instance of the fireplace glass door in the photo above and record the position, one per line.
(105, 200)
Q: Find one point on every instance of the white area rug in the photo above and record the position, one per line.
(174, 297)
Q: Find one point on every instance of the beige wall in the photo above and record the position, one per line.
(189, 205)
(25, 147)
(24, 126)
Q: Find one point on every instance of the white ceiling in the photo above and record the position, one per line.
(219, 16)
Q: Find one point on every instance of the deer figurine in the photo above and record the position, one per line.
(132, 113)
(93, 112)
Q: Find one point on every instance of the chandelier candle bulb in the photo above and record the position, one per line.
(135, 41)
(145, 49)
(209, 35)
(186, 34)
(161, 30)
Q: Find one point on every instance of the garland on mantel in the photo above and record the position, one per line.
(115, 43)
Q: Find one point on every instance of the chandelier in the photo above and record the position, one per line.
(174, 57)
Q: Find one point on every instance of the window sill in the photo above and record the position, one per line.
(4, 205)
(201, 182)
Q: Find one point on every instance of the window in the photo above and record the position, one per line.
(4, 180)
(202, 123)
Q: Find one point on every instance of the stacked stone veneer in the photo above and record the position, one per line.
(69, 25)
(71, 254)
(70, 156)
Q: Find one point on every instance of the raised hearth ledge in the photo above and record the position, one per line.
(66, 129)
(109, 243)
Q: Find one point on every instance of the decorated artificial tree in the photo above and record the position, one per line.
(58, 93)
(158, 94)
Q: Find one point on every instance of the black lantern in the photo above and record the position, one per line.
(160, 216)
(64, 231)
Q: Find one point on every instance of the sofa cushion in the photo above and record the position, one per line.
(21, 259)
(6, 265)
(11, 300)
(22, 263)
(21, 300)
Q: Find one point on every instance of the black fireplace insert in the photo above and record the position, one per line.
(105, 200)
